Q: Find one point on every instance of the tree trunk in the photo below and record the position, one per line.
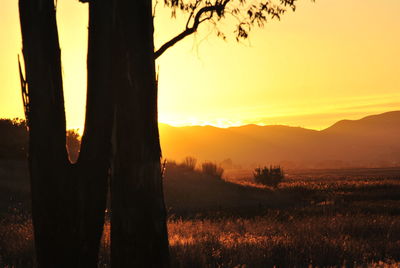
(138, 231)
(52, 189)
(68, 201)
(94, 160)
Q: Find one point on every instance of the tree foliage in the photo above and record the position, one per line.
(247, 14)
(13, 139)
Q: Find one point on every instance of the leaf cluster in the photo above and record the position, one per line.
(247, 13)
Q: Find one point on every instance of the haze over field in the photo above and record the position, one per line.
(329, 60)
(372, 141)
(200, 133)
(369, 142)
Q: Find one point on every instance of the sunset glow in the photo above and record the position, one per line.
(233, 133)
(328, 61)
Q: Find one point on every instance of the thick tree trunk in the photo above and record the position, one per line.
(138, 231)
(68, 201)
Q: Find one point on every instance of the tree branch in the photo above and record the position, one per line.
(194, 7)
(218, 8)
(154, 8)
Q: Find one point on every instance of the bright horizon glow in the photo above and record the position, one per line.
(328, 61)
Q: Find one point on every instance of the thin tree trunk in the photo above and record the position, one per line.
(138, 231)
(94, 160)
(52, 189)
(68, 201)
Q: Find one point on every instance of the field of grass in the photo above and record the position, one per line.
(337, 220)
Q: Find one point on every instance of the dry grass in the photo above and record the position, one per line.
(306, 222)
(16, 242)
(271, 240)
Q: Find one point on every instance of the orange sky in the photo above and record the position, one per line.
(329, 60)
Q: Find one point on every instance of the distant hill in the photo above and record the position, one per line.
(372, 141)
(381, 125)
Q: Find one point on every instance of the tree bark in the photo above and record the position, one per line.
(52, 188)
(138, 231)
(68, 201)
(94, 159)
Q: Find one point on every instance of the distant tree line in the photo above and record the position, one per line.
(14, 140)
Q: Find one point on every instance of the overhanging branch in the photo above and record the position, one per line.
(218, 8)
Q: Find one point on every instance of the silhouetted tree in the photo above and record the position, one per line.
(138, 220)
(13, 139)
(68, 200)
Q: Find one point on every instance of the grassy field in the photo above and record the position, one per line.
(333, 219)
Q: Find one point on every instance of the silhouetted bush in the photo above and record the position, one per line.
(190, 163)
(212, 169)
(73, 140)
(268, 176)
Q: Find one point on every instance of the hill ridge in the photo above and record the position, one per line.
(371, 141)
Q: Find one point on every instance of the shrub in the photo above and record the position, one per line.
(190, 163)
(268, 176)
(211, 169)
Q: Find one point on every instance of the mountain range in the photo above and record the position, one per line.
(372, 141)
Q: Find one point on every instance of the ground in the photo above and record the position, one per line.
(314, 218)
